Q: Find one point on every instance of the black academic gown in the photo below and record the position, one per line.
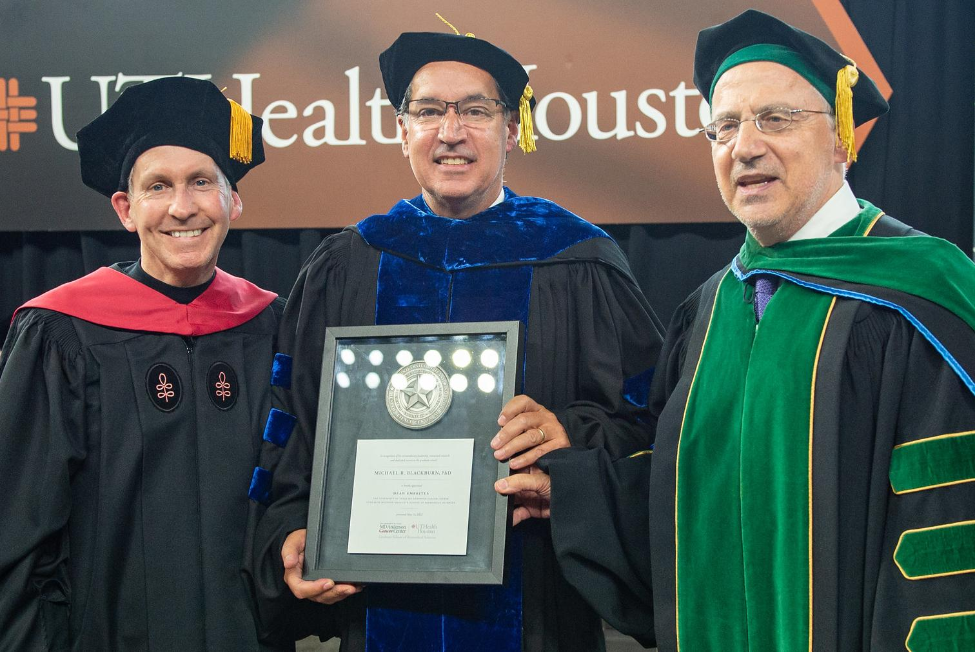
(125, 458)
(591, 342)
(880, 384)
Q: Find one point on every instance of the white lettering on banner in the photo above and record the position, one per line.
(376, 105)
(247, 90)
(354, 139)
(103, 81)
(57, 112)
(270, 113)
(680, 120)
(541, 116)
(650, 120)
(643, 104)
(592, 116)
(328, 124)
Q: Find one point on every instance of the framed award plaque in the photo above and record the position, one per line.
(403, 475)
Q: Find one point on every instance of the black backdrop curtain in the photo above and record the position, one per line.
(917, 165)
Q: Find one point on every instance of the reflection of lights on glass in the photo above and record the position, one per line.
(427, 382)
(404, 358)
(489, 358)
(376, 357)
(458, 382)
(485, 383)
(461, 358)
(372, 380)
(432, 358)
(348, 356)
(398, 381)
(342, 379)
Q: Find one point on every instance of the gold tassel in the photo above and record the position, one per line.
(846, 79)
(526, 139)
(445, 22)
(241, 126)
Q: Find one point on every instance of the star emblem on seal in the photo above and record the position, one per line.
(414, 394)
(418, 395)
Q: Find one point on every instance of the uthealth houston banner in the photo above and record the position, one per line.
(616, 120)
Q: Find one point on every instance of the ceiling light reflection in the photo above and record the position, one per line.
(461, 358)
(486, 383)
(432, 358)
(458, 382)
(428, 382)
(489, 358)
(398, 381)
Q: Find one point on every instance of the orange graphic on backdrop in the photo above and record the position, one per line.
(851, 43)
(16, 114)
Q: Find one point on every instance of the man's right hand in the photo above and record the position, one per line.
(322, 591)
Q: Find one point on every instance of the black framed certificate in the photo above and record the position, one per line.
(403, 475)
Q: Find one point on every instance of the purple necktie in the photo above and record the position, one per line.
(765, 287)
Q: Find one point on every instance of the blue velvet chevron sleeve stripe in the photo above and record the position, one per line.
(279, 427)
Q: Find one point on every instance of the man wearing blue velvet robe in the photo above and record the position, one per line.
(466, 249)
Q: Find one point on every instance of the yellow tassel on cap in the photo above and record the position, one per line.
(447, 23)
(846, 79)
(241, 127)
(526, 140)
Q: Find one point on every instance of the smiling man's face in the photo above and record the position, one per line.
(459, 168)
(774, 183)
(181, 205)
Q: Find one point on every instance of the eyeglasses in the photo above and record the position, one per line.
(472, 112)
(768, 122)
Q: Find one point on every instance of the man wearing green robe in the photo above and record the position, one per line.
(812, 482)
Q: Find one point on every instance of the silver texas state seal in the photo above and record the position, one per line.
(418, 395)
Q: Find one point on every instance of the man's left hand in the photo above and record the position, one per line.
(532, 492)
(529, 429)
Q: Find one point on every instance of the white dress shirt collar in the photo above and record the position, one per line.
(499, 199)
(840, 209)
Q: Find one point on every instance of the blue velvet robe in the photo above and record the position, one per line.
(591, 342)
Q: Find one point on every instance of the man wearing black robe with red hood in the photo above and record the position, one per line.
(131, 400)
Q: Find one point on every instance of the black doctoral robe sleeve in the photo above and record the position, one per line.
(593, 340)
(336, 287)
(600, 510)
(906, 561)
(42, 377)
(599, 530)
